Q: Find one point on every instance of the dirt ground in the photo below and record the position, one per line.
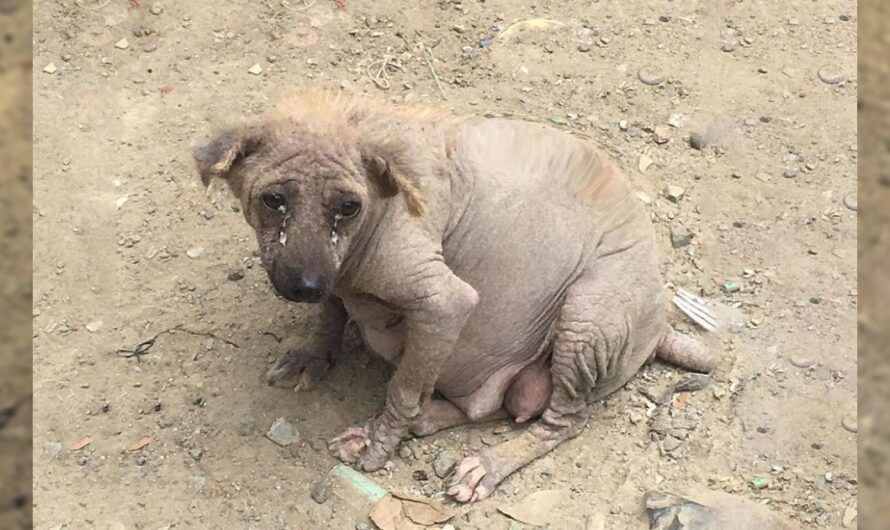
(126, 248)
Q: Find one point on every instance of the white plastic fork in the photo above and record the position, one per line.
(701, 312)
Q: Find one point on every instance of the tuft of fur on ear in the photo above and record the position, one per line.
(219, 157)
(391, 181)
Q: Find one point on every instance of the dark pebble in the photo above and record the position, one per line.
(845, 18)
(420, 475)
(664, 18)
(762, 430)
(738, 224)
(680, 239)
(765, 119)
(236, 274)
(816, 445)
(697, 141)
(321, 491)
(816, 300)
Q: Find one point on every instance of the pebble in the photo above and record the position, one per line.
(650, 75)
(448, 526)
(680, 239)
(321, 491)
(644, 197)
(235, 274)
(197, 483)
(246, 426)
(829, 476)
(405, 452)
(692, 382)
(730, 286)
(94, 326)
(194, 252)
(850, 423)
(283, 433)
(830, 74)
(662, 134)
(664, 18)
(584, 47)
(674, 193)
(675, 120)
(671, 444)
(256, 69)
(50, 69)
(790, 172)
(801, 361)
(150, 47)
(362, 526)
(444, 463)
(728, 46)
(645, 162)
(851, 201)
(67, 57)
(122, 44)
(156, 8)
(697, 141)
(53, 449)
(850, 514)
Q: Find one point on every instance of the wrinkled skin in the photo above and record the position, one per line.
(504, 264)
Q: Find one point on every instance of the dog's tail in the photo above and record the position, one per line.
(685, 351)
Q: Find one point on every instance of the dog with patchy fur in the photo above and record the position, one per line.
(503, 267)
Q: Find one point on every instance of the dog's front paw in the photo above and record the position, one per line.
(298, 370)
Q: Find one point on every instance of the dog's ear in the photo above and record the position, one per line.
(224, 153)
(389, 181)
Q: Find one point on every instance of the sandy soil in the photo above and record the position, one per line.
(126, 248)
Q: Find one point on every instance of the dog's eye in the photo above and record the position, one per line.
(274, 201)
(350, 208)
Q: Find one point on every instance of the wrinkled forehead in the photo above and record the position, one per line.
(294, 153)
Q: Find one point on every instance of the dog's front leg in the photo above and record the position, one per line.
(436, 305)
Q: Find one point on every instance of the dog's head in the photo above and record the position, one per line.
(308, 191)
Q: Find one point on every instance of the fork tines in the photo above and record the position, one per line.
(697, 309)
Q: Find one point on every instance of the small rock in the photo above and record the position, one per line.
(830, 74)
(759, 483)
(67, 57)
(692, 382)
(730, 286)
(405, 452)
(321, 491)
(801, 361)
(829, 476)
(674, 193)
(364, 526)
(235, 274)
(53, 449)
(645, 162)
(50, 69)
(675, 120)
(584, 47)
(246, 426)
(662, 134)
(272, 58)
(850, 423)
(121, 201)
(448, 526)
(697, 141)
(680, 239)
(790, 172)
(122, 44)
(256, 69)
(728, 46)
(622, 124)
(194, 252)
(197, 483)
(150, 47)
(851, 201)
(664, 18)
(719, 392)
(444, 463)
(650, 75)
(420, 475)
(671, 444)
(283, 433)
(94, 326)
(156, 9)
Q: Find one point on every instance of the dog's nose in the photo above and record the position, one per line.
(307, 287)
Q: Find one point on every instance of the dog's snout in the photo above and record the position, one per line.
(306, 286)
